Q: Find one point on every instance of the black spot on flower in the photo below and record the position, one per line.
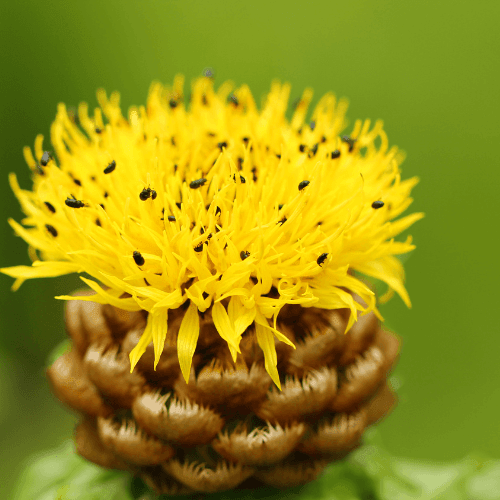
(74, 203)
(50, 207)
(45, 158)
(322, 258)
(303, 184)
(110, 167)
(197, 183)
(52, 230)
(138, 258)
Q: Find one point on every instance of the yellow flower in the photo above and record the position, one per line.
(216, 205)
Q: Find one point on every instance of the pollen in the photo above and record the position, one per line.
(264, 210)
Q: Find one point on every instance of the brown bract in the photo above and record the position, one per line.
(184, 423)
(229, 426)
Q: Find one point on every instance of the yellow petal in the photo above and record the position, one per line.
(140, 348)
(187, 339)
(225, 327)
(266, 342)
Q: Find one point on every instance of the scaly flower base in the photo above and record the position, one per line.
(229, 426)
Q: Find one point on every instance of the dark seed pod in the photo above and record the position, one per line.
(335, 154)
(197, 183)
(52, 230)
(50, 207)
(72, 203)
(244, 254)
(322, 258)
(138, 258)
(303, 184)
(45, 158)
(110, 167)
(377, 204)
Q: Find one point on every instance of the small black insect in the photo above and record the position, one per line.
(278, 156)
(302, 148)
(244, 254)
(45, 158)
(350, 141)
(323, 138)
(171, 218)
(50, 207)
(146, 193)
(197, 183)
(98, 223)
(98, 130)
(198, 247)
(208, 73)
(377, 204)
(173, 103)
(303, 184)
(110, 167)
(52, 230)
(313, 150)
(245, 139)
(106, 194)
(335, 154)
(138, 258)
(280, 206)
(322, 258)
(221, 145)
(232, 99)
(242, 179)
(74, 203)
(77, 182)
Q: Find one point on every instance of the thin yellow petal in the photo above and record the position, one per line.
(187, 339)
(140, 348)
(266, 342)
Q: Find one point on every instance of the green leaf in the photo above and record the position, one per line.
(61, 474)
(368, 473)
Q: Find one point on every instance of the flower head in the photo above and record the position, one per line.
(216, 205)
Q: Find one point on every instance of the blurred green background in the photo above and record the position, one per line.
(428, 69)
